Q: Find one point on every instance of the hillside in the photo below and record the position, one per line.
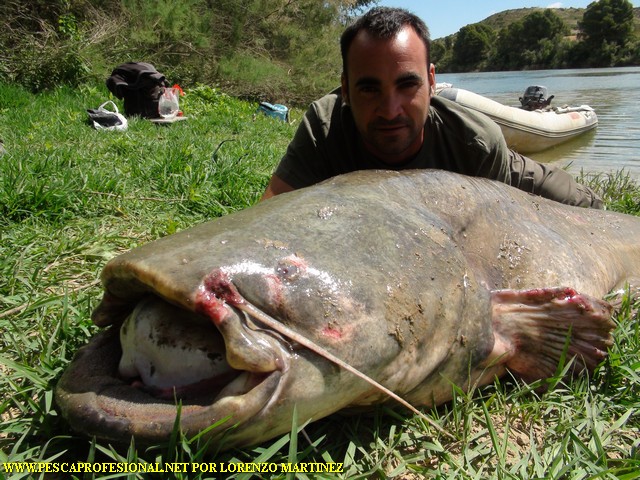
(570, 16)
(535, 38)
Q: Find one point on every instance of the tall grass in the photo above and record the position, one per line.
(71, 198)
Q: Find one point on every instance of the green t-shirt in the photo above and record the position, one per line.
(457, 139)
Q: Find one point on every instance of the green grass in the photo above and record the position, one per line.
(71, 198)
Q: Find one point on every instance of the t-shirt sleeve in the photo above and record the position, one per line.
(464, 141)
(306, 160)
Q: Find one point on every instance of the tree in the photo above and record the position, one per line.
(525, 43)
(268, 48)
(441, 49)
(608, 22)
(472, 46)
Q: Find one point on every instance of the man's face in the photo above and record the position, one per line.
(388, 83)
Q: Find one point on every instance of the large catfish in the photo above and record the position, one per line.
(419, 280)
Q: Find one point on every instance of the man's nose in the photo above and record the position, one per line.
(390, 106)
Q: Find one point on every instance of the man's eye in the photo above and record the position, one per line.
(410, 85)
(368, 90)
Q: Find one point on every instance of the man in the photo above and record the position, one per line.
(384, 116)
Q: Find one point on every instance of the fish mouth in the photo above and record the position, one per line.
(175, 354)
(99, 396)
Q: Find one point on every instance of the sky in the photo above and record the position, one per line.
(445, 17)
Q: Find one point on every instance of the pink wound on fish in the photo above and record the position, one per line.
(331, 332)
(215, 293)
(218, 283)
(544, 295)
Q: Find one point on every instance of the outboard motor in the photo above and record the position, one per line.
(534, 98)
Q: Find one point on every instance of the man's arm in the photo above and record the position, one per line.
(276, 187)
(316, 148)
(551, 182)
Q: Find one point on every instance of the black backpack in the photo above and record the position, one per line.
(140, 85)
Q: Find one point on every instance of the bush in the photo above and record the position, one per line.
(259, 49)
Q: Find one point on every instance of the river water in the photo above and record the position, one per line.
(614, 93)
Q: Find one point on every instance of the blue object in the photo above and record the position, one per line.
(281, 112)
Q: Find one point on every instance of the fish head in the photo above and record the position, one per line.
(224, 337)
(242, 320)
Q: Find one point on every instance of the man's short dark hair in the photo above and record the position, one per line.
(384, 23)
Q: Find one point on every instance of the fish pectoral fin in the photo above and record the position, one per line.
(535, 329)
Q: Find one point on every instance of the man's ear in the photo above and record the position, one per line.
(344, 88)
(432, 78)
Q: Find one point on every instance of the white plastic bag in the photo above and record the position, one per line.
(168, 104)
(103, 119)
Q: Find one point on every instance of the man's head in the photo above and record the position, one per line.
(387, 80)
(384, 23)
